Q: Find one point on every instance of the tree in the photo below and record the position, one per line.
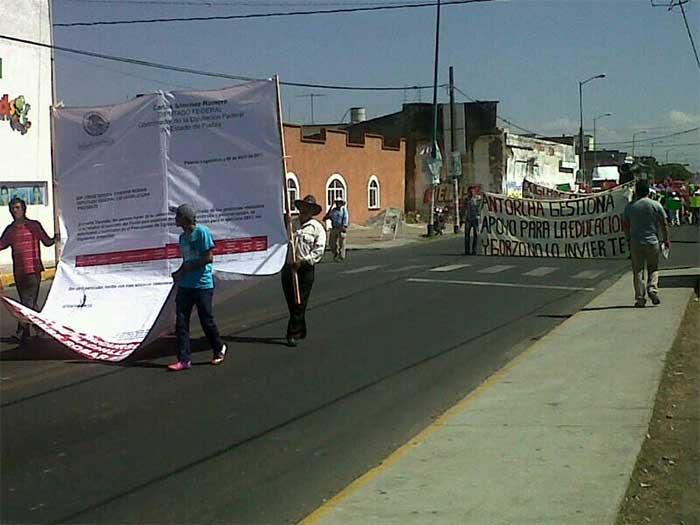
(671, 171)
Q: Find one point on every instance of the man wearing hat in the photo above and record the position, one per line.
(338, 215)
(195, 287)
(309, 245)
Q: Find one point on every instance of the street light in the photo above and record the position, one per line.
(595, 144)
(669, 149)
(581, 163)
(633, 137)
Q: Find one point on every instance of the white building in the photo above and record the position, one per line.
(26, 96)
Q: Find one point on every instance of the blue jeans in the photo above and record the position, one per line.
(185, 300)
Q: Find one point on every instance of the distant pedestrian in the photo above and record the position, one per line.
(340, 220)
(695, 207)
(195, 287)
(675, 205)
(309, 245)
(23, 236)
(645, 221)
(472, 216)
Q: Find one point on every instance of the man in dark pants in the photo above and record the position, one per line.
(23, 236)
(309, 245)
(195, 287)
(472, 215)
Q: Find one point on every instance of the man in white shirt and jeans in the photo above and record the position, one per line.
(309, 245)
(338, 215)
(645, 222)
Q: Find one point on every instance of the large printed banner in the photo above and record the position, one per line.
(589, 227)
(121, 172)
(532, 190)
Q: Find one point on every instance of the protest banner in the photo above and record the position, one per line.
(123, 170)
(532, 190)
(588, 227)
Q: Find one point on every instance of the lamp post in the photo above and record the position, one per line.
(595, 144)
(669, 149)
(634, 135)
(434, 151)
(581, 166)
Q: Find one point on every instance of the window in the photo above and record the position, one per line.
(292, 191)
(373, 202)
(335, 189)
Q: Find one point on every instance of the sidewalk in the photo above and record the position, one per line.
(371, 238)
(551, 438)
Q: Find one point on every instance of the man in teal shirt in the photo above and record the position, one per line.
(195, 287)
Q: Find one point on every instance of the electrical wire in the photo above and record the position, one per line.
(690, 35)
(190, 71)
(501, 118)
(267, 15)
(217, 3)
(642, 141)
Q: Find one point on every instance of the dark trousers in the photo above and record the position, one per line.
(297, 312)
(185, 300)
(471, 229)
(28, 290)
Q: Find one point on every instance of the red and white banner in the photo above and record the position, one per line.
(121, 172)
(587, 227)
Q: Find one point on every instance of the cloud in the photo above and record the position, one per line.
(559, 125)
(683, 119)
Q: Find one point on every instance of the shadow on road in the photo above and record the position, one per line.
(255, 340)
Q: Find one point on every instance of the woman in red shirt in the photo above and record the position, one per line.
(23, 236)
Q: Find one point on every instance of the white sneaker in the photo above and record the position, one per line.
(219, 358)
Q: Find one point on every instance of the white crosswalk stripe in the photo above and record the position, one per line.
(406, 268)
(449, 268)
(363, 269)
(497, 268)
(541, 271)
(589, 274)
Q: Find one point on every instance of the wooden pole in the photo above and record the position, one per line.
(291, 253)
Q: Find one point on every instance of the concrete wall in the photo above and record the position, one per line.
(541, 161)
(315, 161)
(25, 158)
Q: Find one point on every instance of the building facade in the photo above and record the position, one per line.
(365, 172)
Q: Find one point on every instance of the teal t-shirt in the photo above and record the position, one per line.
(192, 247)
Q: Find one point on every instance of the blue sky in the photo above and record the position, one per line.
(528, 54)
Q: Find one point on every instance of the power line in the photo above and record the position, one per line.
(501, 118)
(216, 3)
(267, 15)
(690, 35)
(179, 69)
(640, 141)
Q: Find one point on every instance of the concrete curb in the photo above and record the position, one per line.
(8, 279)
(551, 438)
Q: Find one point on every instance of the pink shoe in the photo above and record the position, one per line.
(180, 365)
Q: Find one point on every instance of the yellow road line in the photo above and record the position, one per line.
(417, 440)
(7, 279)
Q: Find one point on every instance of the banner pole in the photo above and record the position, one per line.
(54, 190)
(291, 254)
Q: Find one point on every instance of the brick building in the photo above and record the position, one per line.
(368, 173)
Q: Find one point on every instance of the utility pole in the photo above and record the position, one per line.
(434, 152)
(311, 97)
(453, 135)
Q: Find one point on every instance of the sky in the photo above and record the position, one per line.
(530, 55)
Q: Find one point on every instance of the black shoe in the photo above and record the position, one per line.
(291, 342)
(640, 304)
(655, 300)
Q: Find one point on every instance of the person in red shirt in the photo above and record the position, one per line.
(23, 236)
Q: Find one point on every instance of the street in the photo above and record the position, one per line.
(396, 337)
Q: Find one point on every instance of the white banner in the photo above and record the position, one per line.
(123, 169)
(532, 190)
(588, 227)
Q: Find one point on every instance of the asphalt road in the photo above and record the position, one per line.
(268, 435)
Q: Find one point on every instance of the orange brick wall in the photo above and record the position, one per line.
(314, 161)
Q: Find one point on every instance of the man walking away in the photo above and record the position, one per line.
(472, 216)
(695, 207)
(645, 221)
(195, 287)
(309, 245)
(338, 215)
(23, 236)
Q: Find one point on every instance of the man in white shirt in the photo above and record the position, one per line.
(309, 245)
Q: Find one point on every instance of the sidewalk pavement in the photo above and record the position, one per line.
(371, 238)
(552, 438)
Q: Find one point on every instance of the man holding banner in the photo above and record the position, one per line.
(643, 218)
